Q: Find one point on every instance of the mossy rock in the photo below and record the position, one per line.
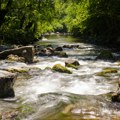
(60, 68)
(110, 70)
(107, 71)
(20, 70)
(105, 55)
(60, 54)
(72, 63)
(101, 74)
(72, 66)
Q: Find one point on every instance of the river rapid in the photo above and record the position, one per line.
(43, 94)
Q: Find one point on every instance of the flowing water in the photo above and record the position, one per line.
(60, 96)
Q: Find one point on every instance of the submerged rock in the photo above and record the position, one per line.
(60, 68)
(7, 80)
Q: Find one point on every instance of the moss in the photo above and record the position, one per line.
(60, 68)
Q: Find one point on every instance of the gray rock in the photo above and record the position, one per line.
(27, 52)
(7, 80)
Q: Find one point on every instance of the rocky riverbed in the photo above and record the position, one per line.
(43, 92)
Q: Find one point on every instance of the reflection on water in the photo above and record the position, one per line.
(60, 96)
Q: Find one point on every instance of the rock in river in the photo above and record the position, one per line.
(116, 97)
(105, 55)
(27, 52)
(60, 68)
(72, 63)
(7, 80)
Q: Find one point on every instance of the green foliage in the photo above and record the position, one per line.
(25, 21)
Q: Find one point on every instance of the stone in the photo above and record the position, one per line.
(12, 57)
(59, 49)
(60, 54)
(67, 46)
(72, 63)
(60, 68)
(7, 80)
(105, 55)
(116, 97)
(70, 46)
(27, 52)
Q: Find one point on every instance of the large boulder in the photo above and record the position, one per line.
(27, 52)
(7, 80)
(60, 68)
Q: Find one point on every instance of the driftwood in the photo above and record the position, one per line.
(27, 52)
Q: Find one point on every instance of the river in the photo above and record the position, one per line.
(52, 95)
